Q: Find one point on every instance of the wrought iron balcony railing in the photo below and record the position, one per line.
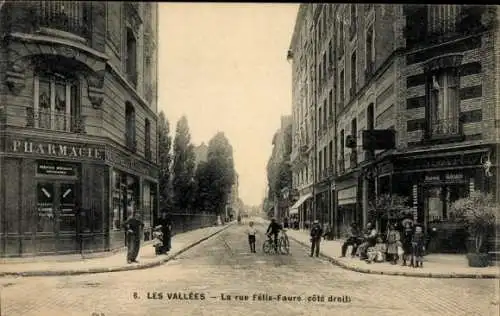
(148, 153)
(341, 166)
(45, 119)
(353, 159)
(131, 143)
(67, 16)
(445, 128)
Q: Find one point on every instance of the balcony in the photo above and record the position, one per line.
(341, 166)
(369, 70)
(148, 153)
(353, 159)
(131, 143)
(71, 17)
(56, 122)
(446, 129)
(132, 78)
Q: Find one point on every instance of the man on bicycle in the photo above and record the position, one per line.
(273, 230)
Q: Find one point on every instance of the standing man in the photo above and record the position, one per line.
(133, 226)
(166, 229)
(316, 234)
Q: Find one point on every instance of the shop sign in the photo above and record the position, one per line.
(124, 161)
(453, 161)
(56, 149)
(56, 168)
(432, 178)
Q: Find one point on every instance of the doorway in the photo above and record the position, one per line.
(56, 218)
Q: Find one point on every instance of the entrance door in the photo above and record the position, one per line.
(56, 218)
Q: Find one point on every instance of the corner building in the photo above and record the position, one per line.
(78, 112)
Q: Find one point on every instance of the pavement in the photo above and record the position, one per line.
(435, 265)
(221, 277)
(76, 264)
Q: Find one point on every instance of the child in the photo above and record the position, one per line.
(418, 247)
(377, 252)
(158, 239)
(393, 241)
(251, 232)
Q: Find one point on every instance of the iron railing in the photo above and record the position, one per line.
(67, 16)
(445, 127)
(46, 119)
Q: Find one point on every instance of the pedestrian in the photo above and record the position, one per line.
(377, 252)
(418, 247)
(133, 226)
(393, 242)
(251, 232)
(316, 234)
(369, 240)
(406, 237)
(166, 225)
(352, 240)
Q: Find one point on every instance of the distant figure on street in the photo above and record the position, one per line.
(285, 223)
(166, 229)
(133, 226)
(352, 240)
(273, 231)
(251, 232)
(418, 245)
(239, 219)
(316, 234)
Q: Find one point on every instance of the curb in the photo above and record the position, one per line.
(114, 269)
(406, 274)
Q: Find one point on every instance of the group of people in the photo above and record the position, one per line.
(162, 235)
(406, 244)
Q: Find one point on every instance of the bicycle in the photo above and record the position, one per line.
(284, 242)
(268, 246)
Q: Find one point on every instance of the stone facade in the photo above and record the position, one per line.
(76, 78)
(382, 73)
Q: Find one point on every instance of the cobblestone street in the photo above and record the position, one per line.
(223, 266)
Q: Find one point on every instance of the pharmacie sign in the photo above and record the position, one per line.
(57, 149)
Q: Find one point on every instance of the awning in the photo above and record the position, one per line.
(295, 208)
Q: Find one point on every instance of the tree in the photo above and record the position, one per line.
(183, 167)
(219, 173)
(165, 162)
(203, 180)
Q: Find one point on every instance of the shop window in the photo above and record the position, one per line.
(131, 58)
(444, 103)
(147, 139)
(56, 105)
(45, 208)
(118, 202)
(67, 200)
(130, 127)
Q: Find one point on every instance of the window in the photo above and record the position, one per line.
(330, 153)
(353, 73)
(341, 36)
(341, 89)
(130, 126)
(444, 103)
(56, 105)
(330, 103)
(370, 117)
(341, 151)
(352, 29)
(325, 159)
(354, 128)
(320, 119)
(147, 139)
(325, 114)
(369, 49)
(131, 59)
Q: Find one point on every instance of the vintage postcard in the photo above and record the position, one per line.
(269, 159)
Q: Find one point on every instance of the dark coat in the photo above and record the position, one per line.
(316, 231)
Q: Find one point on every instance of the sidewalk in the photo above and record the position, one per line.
(73, 265)
(435, 265)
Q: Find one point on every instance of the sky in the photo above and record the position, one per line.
(224, 66)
